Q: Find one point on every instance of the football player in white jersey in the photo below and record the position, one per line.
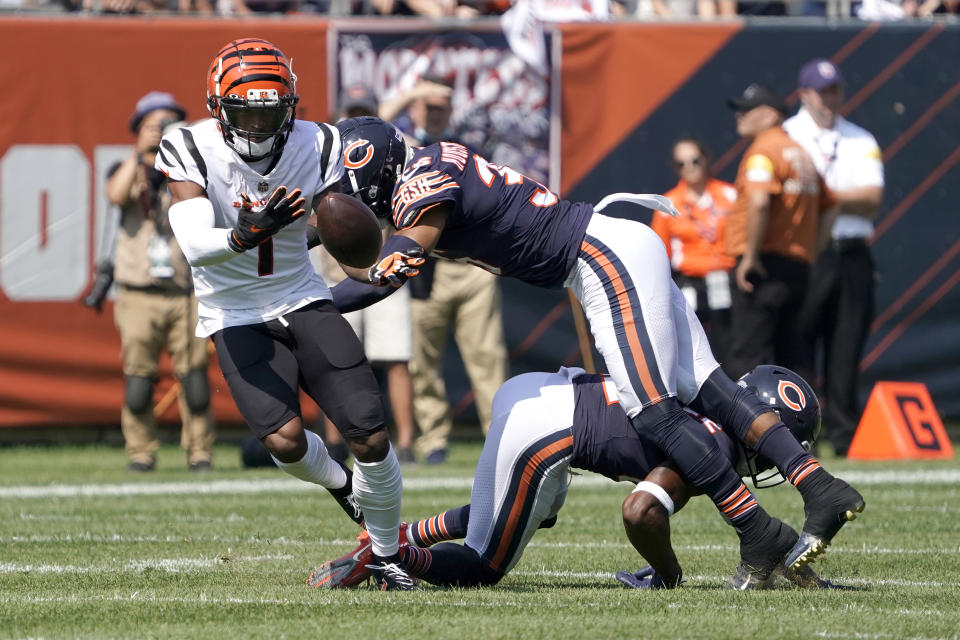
(240, 182)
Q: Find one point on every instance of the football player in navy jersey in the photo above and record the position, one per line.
(449, 203)
(546, 423)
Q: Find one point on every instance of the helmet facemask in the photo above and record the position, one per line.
(257, 125)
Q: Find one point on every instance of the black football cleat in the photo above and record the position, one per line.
(760, 555)
(832, 507)
(389, 575)
(345, 498)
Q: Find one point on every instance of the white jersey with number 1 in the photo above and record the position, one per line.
(277, 277)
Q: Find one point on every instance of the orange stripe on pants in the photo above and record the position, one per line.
(626, 312)
(518, 502)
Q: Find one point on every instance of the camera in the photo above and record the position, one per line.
(101, 285)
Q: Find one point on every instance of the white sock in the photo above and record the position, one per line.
(316, 465)
(376, 486)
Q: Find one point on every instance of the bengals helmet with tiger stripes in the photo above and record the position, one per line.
(252, 93)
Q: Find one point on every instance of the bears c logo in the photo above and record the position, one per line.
(358, 153)
(797, 403)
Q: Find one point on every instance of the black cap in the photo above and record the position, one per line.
(359, 97)
(757, 95)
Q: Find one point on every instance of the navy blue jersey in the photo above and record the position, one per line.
(501, 221)
(605, 442)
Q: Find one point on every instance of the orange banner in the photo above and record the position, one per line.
(70, 86)
(615, 75)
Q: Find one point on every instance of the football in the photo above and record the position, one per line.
(349, 230)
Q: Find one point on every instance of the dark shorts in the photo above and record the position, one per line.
(266, 364)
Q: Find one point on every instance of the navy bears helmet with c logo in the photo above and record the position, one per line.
(793, 399)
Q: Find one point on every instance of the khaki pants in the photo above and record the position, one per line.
(148, 322)
(466, 300)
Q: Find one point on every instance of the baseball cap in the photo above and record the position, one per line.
(818, 74)
(151, 102)
(358, 96)
(757, 95)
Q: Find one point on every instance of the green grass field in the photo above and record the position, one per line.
(90, 551)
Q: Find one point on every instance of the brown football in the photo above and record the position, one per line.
(349, 230)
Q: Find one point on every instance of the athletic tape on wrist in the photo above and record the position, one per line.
(657, 492)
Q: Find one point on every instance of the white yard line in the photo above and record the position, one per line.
(173, 565)
(116, 538)
(194, 564)
(285, 484)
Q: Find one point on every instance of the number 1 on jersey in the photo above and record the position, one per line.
(265, 258)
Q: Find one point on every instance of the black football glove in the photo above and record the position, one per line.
(253, 227)
(397, 268)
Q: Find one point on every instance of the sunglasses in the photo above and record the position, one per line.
(693, 162)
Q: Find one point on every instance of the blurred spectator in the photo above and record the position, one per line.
(773, 232)
(839, 305)
(427, 8)
(448, 297)
(684, 8)
(929, 8)
(423, 112)
(155, 306)
(696, 241)
(385, 329)
(885, 10)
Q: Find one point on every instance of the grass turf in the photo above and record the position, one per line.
(190, 558)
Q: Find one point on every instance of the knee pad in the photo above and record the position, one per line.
(196, 390)
(138, 393)
(254, 454)
(732, 406)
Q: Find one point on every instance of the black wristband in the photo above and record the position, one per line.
(234, 244)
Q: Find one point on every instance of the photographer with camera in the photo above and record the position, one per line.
(155, 305)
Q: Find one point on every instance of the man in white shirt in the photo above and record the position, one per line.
(839, 304)
(240, 182)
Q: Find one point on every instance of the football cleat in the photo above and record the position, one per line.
(390, 576)
(837, 504)
(760, 556)
(745, 579)
(804, 577)
(348, 571)
(345, 498)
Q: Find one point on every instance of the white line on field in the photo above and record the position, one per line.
(545, 573)
(338, 598)
(284, 484)
(194, 565)
(863, 549)
(172, 565)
